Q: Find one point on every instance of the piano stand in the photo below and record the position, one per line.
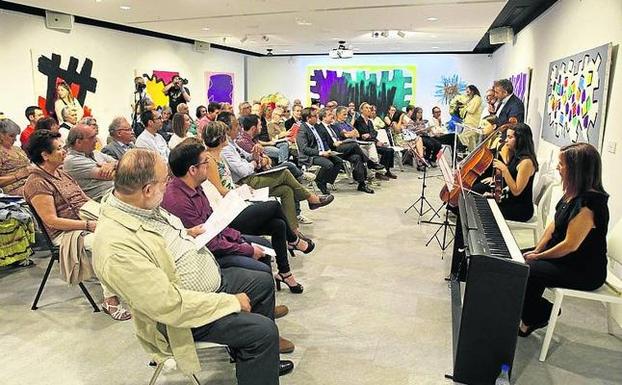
(446, 227)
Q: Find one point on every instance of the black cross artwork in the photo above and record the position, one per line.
(51, 68)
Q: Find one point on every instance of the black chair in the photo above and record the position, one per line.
(54, 251)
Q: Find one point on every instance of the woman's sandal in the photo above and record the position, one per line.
(116, 312)
(310, 244)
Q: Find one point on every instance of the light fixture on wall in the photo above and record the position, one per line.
(401, 34)
(243, 40)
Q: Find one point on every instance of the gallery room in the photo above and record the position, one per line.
(311, 192)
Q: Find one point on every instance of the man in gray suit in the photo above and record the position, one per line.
(122, 138)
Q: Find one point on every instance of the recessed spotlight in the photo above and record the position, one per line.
(125, 7)
(432, 18)
(98, 1)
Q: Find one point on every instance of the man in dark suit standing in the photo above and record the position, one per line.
(365, 127)
(508, 105)
(311, 150)
(349, 151)
(122, 137)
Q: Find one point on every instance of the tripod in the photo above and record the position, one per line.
(424, 204)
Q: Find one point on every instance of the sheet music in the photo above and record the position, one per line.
(444, 164)
(229, 208)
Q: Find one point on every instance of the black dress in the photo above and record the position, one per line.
(583, 269)
(520, 207)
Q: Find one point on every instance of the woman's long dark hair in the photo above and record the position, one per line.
(583, 169)
(524, 147)
(474, 90)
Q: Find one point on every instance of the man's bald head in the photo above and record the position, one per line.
(79, 131)
(136, 169)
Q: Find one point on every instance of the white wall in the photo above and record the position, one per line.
(116, 55)
(554, 35)
(288, 74)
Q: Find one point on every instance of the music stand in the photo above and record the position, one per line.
(422, 200)
(446, 170)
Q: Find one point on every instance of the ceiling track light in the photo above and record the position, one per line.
(243, 40)
(401, 34)
(265, 38)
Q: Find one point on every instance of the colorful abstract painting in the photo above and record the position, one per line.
(156, 81)
(448, 87)
(576, 97)
(51, 68)
(219, 86)
(521, 83)
(378, 85)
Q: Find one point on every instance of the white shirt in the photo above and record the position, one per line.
(153, 142)
(502, 103)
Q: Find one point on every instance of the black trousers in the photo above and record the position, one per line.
(352, 153)
(386, 155)
(267, 218)
(432, 147)
(553, 273)
(252, 337)
(329, 170)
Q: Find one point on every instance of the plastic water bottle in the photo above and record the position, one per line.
(504, 376)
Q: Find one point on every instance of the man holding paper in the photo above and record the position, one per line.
(185, 198)
(178, 294)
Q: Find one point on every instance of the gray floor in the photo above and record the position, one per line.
(375, 311)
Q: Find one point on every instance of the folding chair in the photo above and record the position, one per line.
(170, 364)
(610, 293)
(54, 256)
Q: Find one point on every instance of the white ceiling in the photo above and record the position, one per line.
(293, 27)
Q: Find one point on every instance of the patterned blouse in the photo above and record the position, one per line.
(14, 161)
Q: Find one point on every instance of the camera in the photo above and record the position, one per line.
(182, 80)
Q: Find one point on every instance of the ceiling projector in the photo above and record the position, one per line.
(341, 52)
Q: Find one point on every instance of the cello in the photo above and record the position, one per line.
(473, 166)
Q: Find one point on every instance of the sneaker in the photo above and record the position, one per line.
(303, 220)
(308, 176)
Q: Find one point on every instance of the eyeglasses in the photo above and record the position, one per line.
(200, 163)
(165, 181)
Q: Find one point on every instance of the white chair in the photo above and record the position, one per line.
(610, 293)
(538, 221)
(170, 364)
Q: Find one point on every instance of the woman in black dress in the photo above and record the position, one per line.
(572, 252)
(517, 165)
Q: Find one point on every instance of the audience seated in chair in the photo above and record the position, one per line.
(313, 151)
(241, 169)
(178, 293)
(57, 199)
(122, 138)
(350, 151)
(364, 125)
(149, 138)
(92, 169)
(185, 198)
(14, 163)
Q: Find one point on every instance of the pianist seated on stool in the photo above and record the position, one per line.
(572, 251)
(518, 166)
